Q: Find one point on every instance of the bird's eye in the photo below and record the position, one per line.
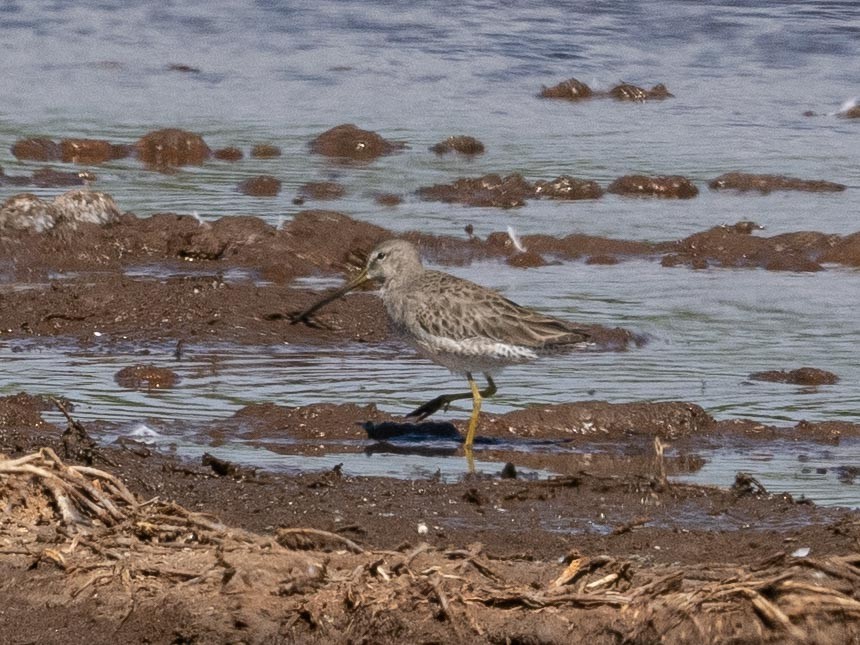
(380, 255)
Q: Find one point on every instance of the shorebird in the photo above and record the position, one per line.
(456, 323)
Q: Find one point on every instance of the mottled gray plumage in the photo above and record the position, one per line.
(457, 323)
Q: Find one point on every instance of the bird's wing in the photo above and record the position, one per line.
(460, 309)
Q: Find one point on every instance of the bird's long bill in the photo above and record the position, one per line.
(356, 282)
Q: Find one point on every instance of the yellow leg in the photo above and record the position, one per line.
(476, 410)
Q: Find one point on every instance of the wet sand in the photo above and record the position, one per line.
(609, 548)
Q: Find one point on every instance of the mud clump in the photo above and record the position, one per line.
(265, 151)
(230, 153)
(350, 142)
(260, 186)
(668, 187)
(388, 199)
(628, 92)
(146, 377)
(510, 191)
(729, 247)
(575, 90)
(745, 182)
(490, 190)
(845, 251)
(799, 376)
(570, 247)
(322, 190)
(567, 187)
(570, 90)
(22, 410)
(590, 420)
(526, 260)
(463, 144)
(91, 151)
(172, 147)
(36, 149)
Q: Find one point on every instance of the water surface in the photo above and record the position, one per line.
(742, 73)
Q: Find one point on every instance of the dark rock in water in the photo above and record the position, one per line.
(90, 151)
(349, 142)
(567, 187)
(172, 147)
(490, 190)
(231, 153)
(36, 149)
(260, 186)
(224, 468)
(800, 376)
(669, 186)
(181, 67)
(322, 190)
(265, 151)
(509, 471)
(146, 377)
(851, 113)
(463, 144)
(50, 178)
(742, 181)
(571, 90)
(628, 92)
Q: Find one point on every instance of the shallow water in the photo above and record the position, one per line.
(742, 77)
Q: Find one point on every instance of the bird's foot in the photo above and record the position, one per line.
(431, 407)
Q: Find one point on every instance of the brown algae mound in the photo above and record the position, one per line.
(669, 186)
(799, 376)
(350, 142)
(265, 151)
(146, 377)
(172, 147)
(745, 182)
(260, 186)
(463, 144)
(575, 90)
(510, 191)
(322, 190)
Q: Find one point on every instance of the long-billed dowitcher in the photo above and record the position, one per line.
(456, 323)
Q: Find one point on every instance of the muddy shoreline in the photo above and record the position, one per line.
(606, 546)
(588, 544)
(174, 277)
